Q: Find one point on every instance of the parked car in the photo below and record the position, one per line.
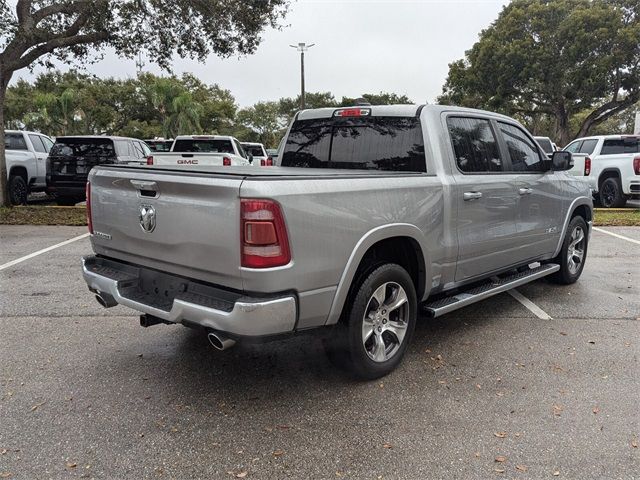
(71, 159)
(26, 154)
(159, 144)
(258, 152)
(546, 144)
(188, 150)
(375, 213)
(610, 164)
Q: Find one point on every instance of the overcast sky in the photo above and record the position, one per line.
(361, 46)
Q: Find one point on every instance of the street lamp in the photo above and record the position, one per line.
(302, 47)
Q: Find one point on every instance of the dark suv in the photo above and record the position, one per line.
(71, 159)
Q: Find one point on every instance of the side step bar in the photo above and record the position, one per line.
(492, 287)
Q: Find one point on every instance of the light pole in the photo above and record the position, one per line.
(302, 47)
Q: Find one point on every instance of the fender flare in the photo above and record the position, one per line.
(369, 239)
(608, 170)
(577, 202)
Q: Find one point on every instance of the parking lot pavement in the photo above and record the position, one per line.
(85, 392)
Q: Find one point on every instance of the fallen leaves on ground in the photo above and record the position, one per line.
(387, 445)
(5, 474)
(634, 443)
(501, 459)
(596, 410)
(557, 410)
(278, 453)
(522, 468)
(238, 473)
(37, 405)
(556, 473)
(500, 434)
(498, 470)
(72, 464)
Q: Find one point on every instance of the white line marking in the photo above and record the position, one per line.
(616, 235)
(44, 250)
(532, 307)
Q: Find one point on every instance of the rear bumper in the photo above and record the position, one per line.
(178, 300)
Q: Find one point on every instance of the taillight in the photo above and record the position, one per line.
(89, 220)
(263, 162)
(226, 161)
(269, 161)
(150, 160)
(263, 234)
(587, 166)
(636, 165)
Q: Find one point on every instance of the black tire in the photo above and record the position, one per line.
(610, 194)
(569, 274)
(348, 347)
(18, 190)
(67, 201)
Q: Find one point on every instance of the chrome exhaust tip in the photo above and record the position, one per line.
(107, 301)
(220, 342)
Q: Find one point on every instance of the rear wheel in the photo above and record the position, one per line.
(611, 195)
(18, 190)
(573, 253)
(377, 326)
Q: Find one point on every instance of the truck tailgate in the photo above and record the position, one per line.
(196, 232)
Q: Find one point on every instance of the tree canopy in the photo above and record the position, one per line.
(37, 31)
(561, 59)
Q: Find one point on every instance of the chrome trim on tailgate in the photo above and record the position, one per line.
(233, 313)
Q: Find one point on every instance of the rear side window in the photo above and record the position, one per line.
(362, 143)
(83, 147)
(525, 156)
(573, 147)
(38, 146)
(123, 148)
(588, 146)
(474, 145)
(545, 144)
(203, 146)
(14, 141)
(623, 145)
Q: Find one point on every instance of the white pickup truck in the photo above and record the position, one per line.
(203, 150)
(26, 154)
(611, 165)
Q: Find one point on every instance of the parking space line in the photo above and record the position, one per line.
(44, 250)
(616, 235)
(529, 305)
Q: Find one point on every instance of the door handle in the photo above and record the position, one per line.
(142, 185)
(525, 191)
(471, 195)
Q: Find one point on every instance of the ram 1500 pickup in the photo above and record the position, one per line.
(374, 214)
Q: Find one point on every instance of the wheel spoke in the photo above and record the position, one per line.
(398, 330)
(379, 351)
(400, 298)
(380, 294)
(367, 330)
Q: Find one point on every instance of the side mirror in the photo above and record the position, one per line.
(561, 161)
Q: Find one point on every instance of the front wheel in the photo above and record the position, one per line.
(573, 252)
(378, 324)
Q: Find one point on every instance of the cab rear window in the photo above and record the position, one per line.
(204, 146)
(83, 147)
(362, 143)
(622, 145)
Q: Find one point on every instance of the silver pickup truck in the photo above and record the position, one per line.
(376, 213)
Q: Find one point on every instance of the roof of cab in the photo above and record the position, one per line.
(395, 111)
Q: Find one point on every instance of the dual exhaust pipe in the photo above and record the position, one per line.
(219, 341)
